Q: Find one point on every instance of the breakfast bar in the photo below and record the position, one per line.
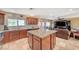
(41, 39)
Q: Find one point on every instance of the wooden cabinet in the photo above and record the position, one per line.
(23, 33)
(29, 39)
(10, 36)
(14, 35)
(17, 35)
(46, 43)
(37, 43)
(6, 37)
(54, 40)
(1, 19)
(32, 21)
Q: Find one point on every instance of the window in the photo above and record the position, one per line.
(47, 24)
(12, 22)
(43, 24)
(39, 23)
(16, 22)
(21, 22)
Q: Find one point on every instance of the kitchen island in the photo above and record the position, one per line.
(41, 39)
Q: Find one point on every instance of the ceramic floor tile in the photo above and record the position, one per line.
(61, 44)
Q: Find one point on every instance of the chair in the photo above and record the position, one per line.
(63, 33)
(76, 34)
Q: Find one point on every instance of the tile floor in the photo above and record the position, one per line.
(61, 44)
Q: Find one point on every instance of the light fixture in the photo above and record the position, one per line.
(70, 9)
(31, 8)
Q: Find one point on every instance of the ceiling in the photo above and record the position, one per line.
(44, 12)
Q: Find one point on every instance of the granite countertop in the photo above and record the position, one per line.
(1, 31)
(20, 28)
(41, 33)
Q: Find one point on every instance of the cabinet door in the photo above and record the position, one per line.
(1, 19)
(53, 40)
(46, 43)
(6, 38)
(30, 40)
(32, 21)
(14, 35)
(29, 21)
(35, 21)
(23, 33)
(36, 43)
(17, 37)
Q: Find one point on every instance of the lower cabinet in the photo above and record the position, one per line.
(6, 37)
(10, 36)
(29, 39)
(46, 43)
(23, 33)
(36, 43)
(54, 40)
(14, 35)
(33, 41)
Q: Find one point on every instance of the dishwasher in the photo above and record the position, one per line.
(1, 38)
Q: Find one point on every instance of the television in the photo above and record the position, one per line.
(60, 23)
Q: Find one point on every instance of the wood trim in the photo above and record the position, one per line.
(32, 42)
(40, 44)
(54, 39)
(51, 41)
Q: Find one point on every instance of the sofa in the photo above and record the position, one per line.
(63, 33)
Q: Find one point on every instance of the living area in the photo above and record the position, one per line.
(67, 35)
(39, 28)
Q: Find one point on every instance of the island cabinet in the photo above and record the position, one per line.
(30, 39)
(37, 42)
(14, 35)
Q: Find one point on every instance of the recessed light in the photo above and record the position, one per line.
(70, 9)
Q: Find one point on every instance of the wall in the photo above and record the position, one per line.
(44, 21)
(74, 22)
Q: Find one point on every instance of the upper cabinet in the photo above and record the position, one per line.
(1, 19)
(32, 20)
